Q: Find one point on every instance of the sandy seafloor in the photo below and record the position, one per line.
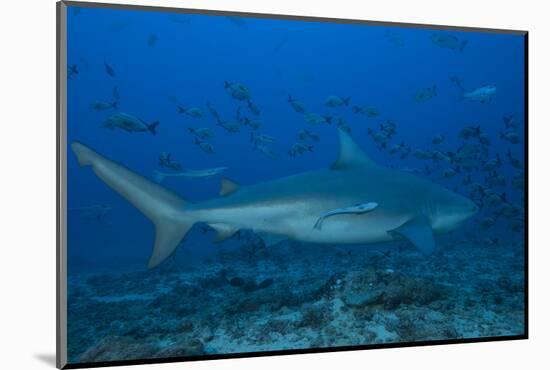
(295, 296)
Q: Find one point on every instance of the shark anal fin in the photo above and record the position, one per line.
(419, 232)
(271, 239)
(228, 187)
(224, 231)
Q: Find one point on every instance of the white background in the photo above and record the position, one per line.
(27, 173)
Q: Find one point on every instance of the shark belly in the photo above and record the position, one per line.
(294, 218)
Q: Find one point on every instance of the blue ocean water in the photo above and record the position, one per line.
(407, 88)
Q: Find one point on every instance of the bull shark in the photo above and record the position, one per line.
(288, 208)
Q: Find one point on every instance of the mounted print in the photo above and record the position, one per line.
(234, 184)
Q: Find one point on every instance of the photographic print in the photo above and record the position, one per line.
(241, 184)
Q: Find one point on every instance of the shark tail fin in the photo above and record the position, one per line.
(162, 207)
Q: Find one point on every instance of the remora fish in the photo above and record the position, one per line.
(159, 176)
(354, 210)
(408, 206)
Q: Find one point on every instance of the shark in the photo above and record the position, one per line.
(407, 206)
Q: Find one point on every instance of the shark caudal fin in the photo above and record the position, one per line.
(162, 207)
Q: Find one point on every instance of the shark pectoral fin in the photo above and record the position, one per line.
(224, 231)
(419, 232)
(228, 187)
(271, 239)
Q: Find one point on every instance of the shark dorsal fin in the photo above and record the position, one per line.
(350, 155)
(228, 187)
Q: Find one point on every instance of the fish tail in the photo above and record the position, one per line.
(356, 109)
(456, 81)
(181, 109)
(346, 101)
(463, 45)
(158, 176)
(162, 207)
(114, 104)
(153, 127)
(191, 130)
(507, 120)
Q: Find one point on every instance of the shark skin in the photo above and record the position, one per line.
(289, 207)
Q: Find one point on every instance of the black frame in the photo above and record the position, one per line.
(61, 183)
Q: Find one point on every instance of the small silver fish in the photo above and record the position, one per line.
(336, 101)
(298, 106)
(201, 133)
(205, 147)
(265, 150)
(99, 105)
(317, 119)
(130, 123)
(370, 112)
(237, 90)
(482, 94)
(192, 112)
(446, 41)
(261, 138)
(425, 94)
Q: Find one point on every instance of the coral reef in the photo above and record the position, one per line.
(297, 296)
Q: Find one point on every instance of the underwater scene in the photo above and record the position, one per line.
(239, 184)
